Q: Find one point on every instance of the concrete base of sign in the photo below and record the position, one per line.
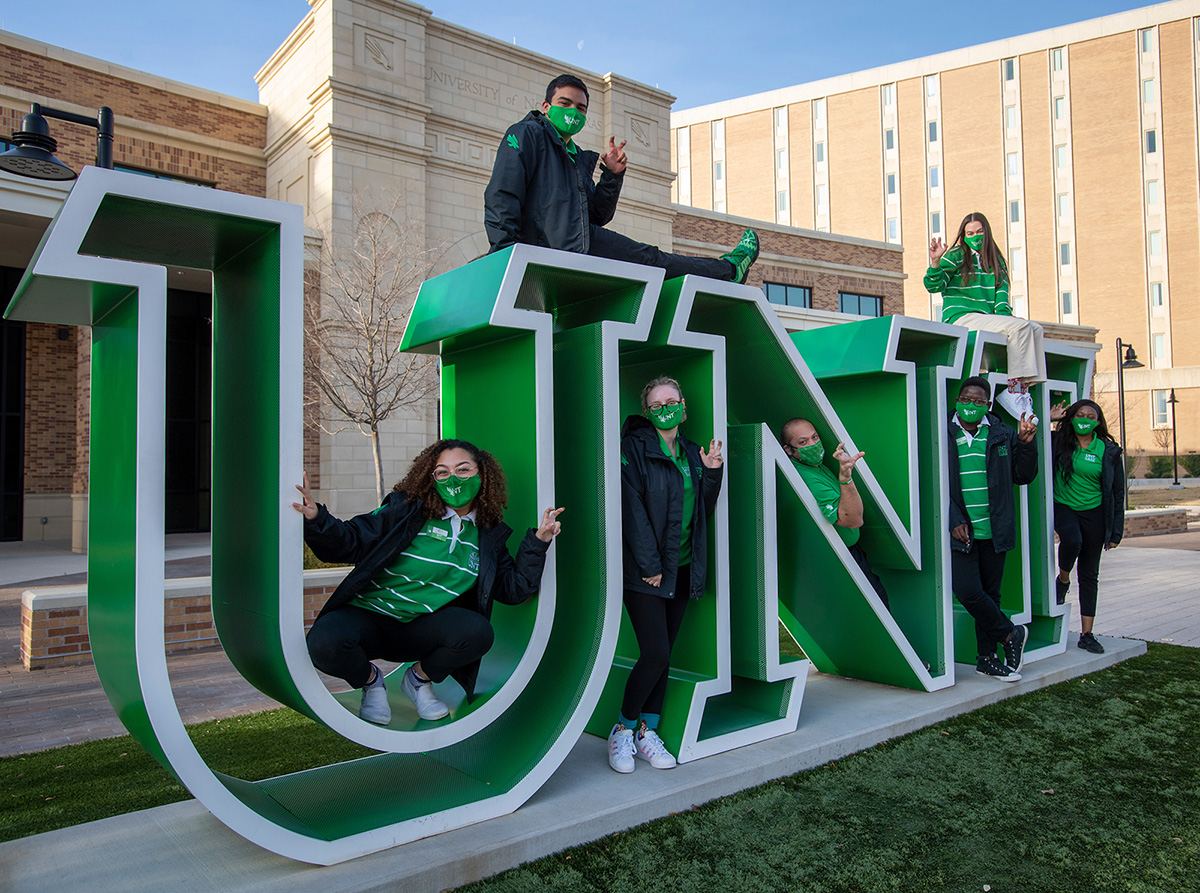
(152, 850)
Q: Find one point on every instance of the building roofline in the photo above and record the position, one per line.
(992, 51)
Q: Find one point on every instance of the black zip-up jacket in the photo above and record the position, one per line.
(1009, 463)
(371, 541)
(1112, 489)
(652, 510)
(540, 194)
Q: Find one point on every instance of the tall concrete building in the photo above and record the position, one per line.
(1079, 143)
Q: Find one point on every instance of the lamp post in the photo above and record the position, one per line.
(1130, 361)
(1174, 444)
(32, 154)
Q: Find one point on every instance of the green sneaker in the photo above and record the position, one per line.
(743, 256)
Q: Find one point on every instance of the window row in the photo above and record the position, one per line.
(801, 296)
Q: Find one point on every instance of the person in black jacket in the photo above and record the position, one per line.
(985, 465)
(1089, 505)
(669, 487)
(428, 564)
(542, 192)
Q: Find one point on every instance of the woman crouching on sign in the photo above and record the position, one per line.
(428, 564)
(668, 489)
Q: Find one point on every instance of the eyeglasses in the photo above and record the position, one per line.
(670, 404)
(976, 402)
(462, 470)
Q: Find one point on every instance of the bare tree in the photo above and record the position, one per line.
(353, 326)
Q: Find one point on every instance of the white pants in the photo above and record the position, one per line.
(1026, 356)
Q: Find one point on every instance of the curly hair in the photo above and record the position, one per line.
(1063, 442)
(493, 488)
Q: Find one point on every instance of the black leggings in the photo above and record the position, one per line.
(656, 621)
(343, 642)
(1081, 537)
(976, 576)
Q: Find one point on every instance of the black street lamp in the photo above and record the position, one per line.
(1129, 362)
(1174, 445)
(33, 151)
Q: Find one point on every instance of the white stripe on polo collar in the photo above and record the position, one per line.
(456, 524)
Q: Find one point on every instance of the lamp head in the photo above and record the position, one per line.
(33, 153)
(1131, 360)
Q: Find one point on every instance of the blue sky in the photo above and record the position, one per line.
(702, 52)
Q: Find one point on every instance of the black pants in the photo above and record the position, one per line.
(605, 243)
(860, 558)
(343, 642)
(976, 575)
(656, 621)
(1081, 537)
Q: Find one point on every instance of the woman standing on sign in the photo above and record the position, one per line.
(972, 276)
(428, 564)
(669, 486)
(1089, 506)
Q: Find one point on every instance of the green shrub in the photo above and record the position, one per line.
(1161, 467)
(1191, 464)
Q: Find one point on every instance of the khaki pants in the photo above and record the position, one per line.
(1026, 356)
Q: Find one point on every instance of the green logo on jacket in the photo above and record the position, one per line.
(512, 141)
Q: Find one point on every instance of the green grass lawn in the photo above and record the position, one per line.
(1089, 785)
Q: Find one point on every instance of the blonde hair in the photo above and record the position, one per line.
(658, 383)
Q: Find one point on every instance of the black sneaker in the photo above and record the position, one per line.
(1014, 648)
(989, 665)
(1061, 589)
(1088, 643)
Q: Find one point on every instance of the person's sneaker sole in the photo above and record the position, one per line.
(1011, 677)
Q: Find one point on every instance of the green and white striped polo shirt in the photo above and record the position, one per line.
(440, 564)
(982, 295)
(972, 473)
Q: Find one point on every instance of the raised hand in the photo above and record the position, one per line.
(1028, 428)
(308, 506)
(550, 526)
(712, 458)
(846, 462)
(614, 158)
(936, 249)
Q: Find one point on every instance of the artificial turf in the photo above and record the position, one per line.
(1089, 785)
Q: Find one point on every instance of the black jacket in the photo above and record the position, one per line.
(1112, 489)
(652, 510)
(371, 541)
(540, 194)
(1009, 463)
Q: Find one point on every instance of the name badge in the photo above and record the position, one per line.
(438, 534)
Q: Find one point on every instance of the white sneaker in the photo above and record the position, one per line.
(1012, 403)
(651, 748)
(620, 749)
(375, 707)
(427, 703)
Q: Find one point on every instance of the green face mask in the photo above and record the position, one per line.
(975, 242)
(666, 418)
(567, 122)
(457, 492)
(1083, 425)
(970, 413)
(813, 454)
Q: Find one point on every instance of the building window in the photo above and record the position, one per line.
(935, 177)
(1156, 299)
(1014, 263)
(1148, 90)
(683, 154)
(1151, 141)
(1014, 212)
(1060, 157)
(860, 305)
(1064, 205)
(889, 95)
(1159, 343)
(1064, 253)
(788, 295)
(933, 131)
(1155, 244)
(719, 207)
(1010, 69)
(1060, 108)
(1161, 409)
(1056, 58)
(1010, 117)
(1068, 304)
(781, 162)
(891, 184)
(822, 198)
(1152, 192)
(818, 109)
(1147, 37)
(931, 86)
(889, 138)
(781, 118)
(935, 223)
(820, 149)
(718, 170)
(1014, 164)
(893, 229)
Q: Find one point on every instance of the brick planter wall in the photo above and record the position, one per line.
(54, 619)
(1148, 522)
